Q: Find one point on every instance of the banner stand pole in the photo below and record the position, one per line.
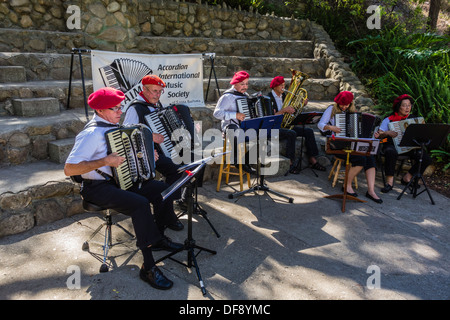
(79, 52)
(211, 59)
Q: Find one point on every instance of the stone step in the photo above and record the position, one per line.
(24, 140)
(226, 47)
(59, 149)
(55, 66)
(41, 41)
(12, 74)
(34, 107)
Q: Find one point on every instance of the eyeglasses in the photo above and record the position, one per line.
(155, 92)
(115, 109)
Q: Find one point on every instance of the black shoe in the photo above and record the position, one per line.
(293, 169)
(411, 185)
(372, 198)
(167, 244)
(349, 193)
(387, 188)
(176, 226)
(155, 278)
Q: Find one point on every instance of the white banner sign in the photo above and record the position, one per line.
(182, 73)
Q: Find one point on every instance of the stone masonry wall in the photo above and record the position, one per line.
(116, 25)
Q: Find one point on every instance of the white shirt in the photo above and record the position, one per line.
(226, 108)
(131, 116)
(278, 100)
(326, 119)
(90, 144)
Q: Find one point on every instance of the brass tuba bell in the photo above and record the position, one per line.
(295, 98)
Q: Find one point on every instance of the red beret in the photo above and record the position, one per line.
(399, 100)
(276, 81)
(239, 77)
(152, 79)
(105, 98)
(344, 98)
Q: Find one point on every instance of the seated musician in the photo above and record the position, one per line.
(344, 103)
(89, 159)
(401, 110)
(226, 110)
(145, 103)
(277, 96)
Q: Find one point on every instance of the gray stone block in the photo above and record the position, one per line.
(59, 149)
(12, 74)
(35, 107)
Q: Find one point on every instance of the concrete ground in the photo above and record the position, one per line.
(268, 249)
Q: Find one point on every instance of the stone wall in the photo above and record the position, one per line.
(116, 25)
(39, 205)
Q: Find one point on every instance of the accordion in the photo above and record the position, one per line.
(400, 128)
(135, 144)
(356, 124)
(123, 73)
(255, 107)
(170, 123)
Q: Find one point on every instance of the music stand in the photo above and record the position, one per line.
(189, 244)
(423, 135)
(197, 209)
(304, 119)
(268, 123)
(345, 146)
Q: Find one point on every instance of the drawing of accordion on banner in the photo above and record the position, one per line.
(124, 74)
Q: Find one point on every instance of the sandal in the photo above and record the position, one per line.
(318, 166)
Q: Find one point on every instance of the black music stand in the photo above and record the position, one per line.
(211, 59)
(197, 209)
(304, 119)
(188, 180)
(268, 123)
(79, 52)
(422, 135)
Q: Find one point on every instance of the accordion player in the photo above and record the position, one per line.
(135, 144)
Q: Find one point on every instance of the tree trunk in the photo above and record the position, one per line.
(433, 14)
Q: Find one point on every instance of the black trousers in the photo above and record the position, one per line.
(169, 170)
(135, 202)
(391, 155)
(291, 136)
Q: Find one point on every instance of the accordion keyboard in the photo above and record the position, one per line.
(126, 173)
(243, 107)
(156, 125)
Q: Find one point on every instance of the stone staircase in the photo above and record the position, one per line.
(37, 127)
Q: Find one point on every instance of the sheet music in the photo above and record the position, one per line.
(400, 128)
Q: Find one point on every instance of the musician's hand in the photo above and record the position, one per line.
(289, 109)
(376, 135)
(158, 138)
(156, 155)
(305, 102)
(393, 134)
(335, 129)
(240, 116)
(114, 160)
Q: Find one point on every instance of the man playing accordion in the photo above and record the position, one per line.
(90, 159)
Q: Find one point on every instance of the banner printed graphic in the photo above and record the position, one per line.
(182, 73)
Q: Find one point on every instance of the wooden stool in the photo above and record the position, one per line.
(225, 166)
(336, 170)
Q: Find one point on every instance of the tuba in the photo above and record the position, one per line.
(295, 97)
